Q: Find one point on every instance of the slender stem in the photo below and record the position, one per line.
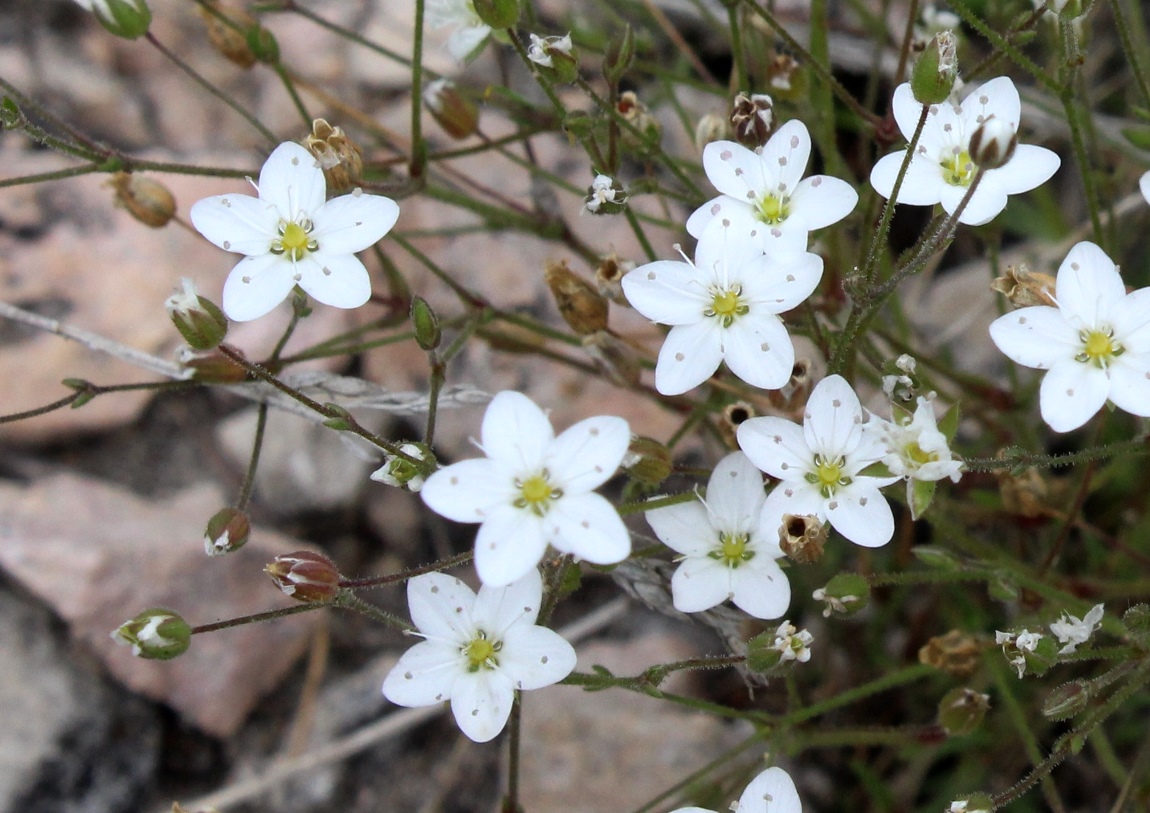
(742, 76)
(258, 617)
(402, 576)
(658, 502)
(350, 601)
(513, 744)
(639, 235)
(1123, 26)
(1004, 46)
(289, 86)
(418, 164)
(254, 461)
(437, 377)
(42, 410)
(907, 36)
(908, 674)
(70, 172)
(1025, 460)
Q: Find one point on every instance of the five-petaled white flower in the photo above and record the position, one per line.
(941, 170)
(819, 464)
(1072, 630)
(772, 791)
(534, 489)
(292, 236)
(1095, 345)
(763, 191)
(793, 644)
(724, 307)
(470, 31)
(1016, 645)
(477, 650)
(914, 448)
(542, 49)
(727, 553)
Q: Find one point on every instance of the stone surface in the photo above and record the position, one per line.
(98, 555)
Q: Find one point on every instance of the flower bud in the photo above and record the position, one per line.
(456, 113)
(619, 55)
(730, 419)
(425, 323)
(401, 473)
(605, 196)
(933, 75)
(752, 119)
(647, 130)
(962, 710)
(497, 14)
(147, 200)
(1137, 623)
(156, 634)
(228, 31)
(614, 358)
(647, 461)
(1025, 288)
(1067, 700)
(338, 156)
(711, 127)
(339, 418)
(802, 537)
(845, 595)
(581, 306)
(124, 18)
(200, 322)
(555, 57)
(609, 278)
(958, 653)
(578, 124)
(305, 575)
(227, 531)
(263, 45)
(993, 143)
(215, 368)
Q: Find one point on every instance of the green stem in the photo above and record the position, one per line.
(70, 172)
(1025, 460)
(270, 615)
(742, 76)
(350, 601)
(1123, 26)
(253, 462)
(1004, 46)
(418, 164)
(289, 86)
(639, 234)
(908, 674)
(402, 576)
(511, 804)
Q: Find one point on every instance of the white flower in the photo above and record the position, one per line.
(1144, 186)
(603, 193)
(763, 191)
(542, 48)
(470, 31)
(772, 791)
(941, 170)
(477, 650)
(914, 447)
(398, 472)
(794, 645)
(1018, 644)
(723, 307)
(1095, 344)
(534, 489)
(292, 236)
(726, 552)
(900, 386)
(1072, 631)
(819, 464)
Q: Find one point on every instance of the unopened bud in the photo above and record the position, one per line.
(619, 55)
(338, 418)
(845, 595)
(227, 531)
(731, 418)
(215, 368)
(1025, 288)
(555, 57)
(156, 634)
(962, 710)
(497, 14)
(1137, 623)
(957, 653)
(456, 113)
(802, 537)
(614, 358)
(263, 45)
(425, 323)
(145, 199)
(752, 119)
(228, 31)
(933, 75)
(1067, 700)
(609, 278)
(200, 322)
(578, 124)
(605, 196)
(581, 306)
(648, 461)
(711, 127)
(124, 18)
(402, 473)
(645, 131)
(993, 143)
(305, 575)
(339, 157)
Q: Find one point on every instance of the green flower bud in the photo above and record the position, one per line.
(124, 18)
(156, 634)
(647, 461)
(200, 322)
(932, 78)
(402, 473)
(426, 324)
(619, 55)
(305, 575)
(1137, 621)
(341, 420)
(497, 13)
(263, 45)
(1067, 700)
(227, 531)
(457, 114)
(961, 711)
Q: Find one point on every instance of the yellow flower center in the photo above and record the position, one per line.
(773, 210)
(732, 550)
(1099, 347)
(727, 304)
(536, 493)
(295, 240)
(916, 453)
(481, 653)
(828, 475)
(958, 169)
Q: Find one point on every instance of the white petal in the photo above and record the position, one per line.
(1037, 337)
(758, 350)
(701, 217)
(689, 356)
(798, 497)
(906, 110)
(424, 675)
(292, 182)
(861, 514)
(465, 41)
(587, 454)
(772, 791)
(823, 200)
(984, 205)
(1130, 318)
(791, 278)
(441, 607)
(784, 157)
(509, 545)
(735, 492)
(700, 583)
(1088, 285)
(776, 446)
(481, 702)
(666, 292)
(238, 223)
(498, 609)
(338, 280)
(998, 98)
(1028, 168)
(351, 223)
(589, 527)
(1130, 383)
(467, 491)
(534, 657)
(256, 285)
(1144, 185)
(684, 528)
(1071, 394)
(733, 169)
(922, 185)
(516, 432)
(832, 424)
(760, 587)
